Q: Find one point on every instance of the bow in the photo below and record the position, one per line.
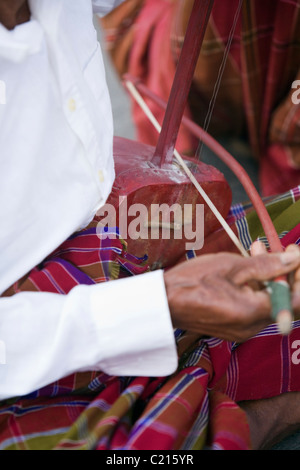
(165, 150)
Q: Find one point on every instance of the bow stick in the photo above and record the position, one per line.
(186, 169)
(278, 289)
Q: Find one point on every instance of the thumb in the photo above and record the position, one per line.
(265, 267)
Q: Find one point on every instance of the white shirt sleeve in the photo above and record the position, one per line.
(121, 327)
(103, 7)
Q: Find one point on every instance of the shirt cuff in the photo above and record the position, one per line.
(135, 331)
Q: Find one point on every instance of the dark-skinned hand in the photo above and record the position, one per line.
(14, 12)
(221, 295)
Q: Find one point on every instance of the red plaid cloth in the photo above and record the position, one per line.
(255, 96)
(195, 408)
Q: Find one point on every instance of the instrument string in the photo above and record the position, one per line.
(141, 102)
(219, 79)
(282, 311)
(278, 290)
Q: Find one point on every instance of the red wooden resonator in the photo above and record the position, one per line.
(148, 177)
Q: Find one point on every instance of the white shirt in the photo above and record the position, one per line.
(56, 136)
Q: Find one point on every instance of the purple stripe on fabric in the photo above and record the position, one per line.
(89, 231)
(285, 364)
(53, 282)
(20, 411)
(79, 276)
(89, 250)
(156, 411)
(95, 231)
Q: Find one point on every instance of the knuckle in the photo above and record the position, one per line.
(260, 263)
(241, 337)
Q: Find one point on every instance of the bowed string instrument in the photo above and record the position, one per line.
(149, 177)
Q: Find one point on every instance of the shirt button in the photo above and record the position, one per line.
(72, 105)
(101, 176)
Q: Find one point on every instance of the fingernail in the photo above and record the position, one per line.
(289, 256)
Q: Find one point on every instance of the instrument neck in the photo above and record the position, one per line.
(164, 151)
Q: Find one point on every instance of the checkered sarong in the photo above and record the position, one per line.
(196, 407)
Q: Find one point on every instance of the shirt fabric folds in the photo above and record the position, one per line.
(56, 171)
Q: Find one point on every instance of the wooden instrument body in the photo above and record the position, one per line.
(139, 181)
(148, 176)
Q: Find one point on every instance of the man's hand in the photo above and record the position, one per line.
(221, 295)
(14, 12)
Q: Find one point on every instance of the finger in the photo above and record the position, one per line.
(296, 299)
(297, 275)
(250, 312)
(258, 248)
(296, 288)
(231, 312)
(266, 267)
(291, 276)
(291, 247)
